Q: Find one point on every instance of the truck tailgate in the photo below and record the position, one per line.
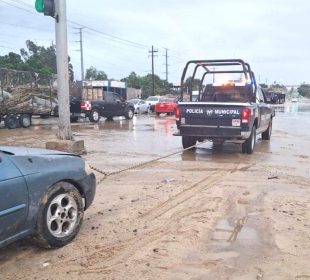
(211, 119)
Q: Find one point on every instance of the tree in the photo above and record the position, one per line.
(194, 85)
(34, 58)
(96, 75)
(304, 90)
(160, 86)
(12, 61)
(133, 81)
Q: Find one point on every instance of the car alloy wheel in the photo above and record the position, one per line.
(62, 215)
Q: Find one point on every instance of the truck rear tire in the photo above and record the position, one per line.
(25, 120)
(188, 141)
(10, 121)
(129, 114)
(266, 135)
(94, 115)
(249, 144)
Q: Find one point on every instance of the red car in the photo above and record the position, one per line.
(166, 105)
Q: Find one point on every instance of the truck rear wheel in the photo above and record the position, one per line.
(25, 120)
(188, 141)
(94, 115)
(249, 144)
(10, 121)
(266, 135)
(129, 114)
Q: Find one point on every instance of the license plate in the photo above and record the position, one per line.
(235, 122)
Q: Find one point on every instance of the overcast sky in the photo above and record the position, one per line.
(273, 36)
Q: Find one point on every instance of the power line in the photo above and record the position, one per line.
(18, 7)
(79, 24)
(24, 26)
(110, 35)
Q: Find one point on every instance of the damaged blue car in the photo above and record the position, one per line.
(43, 193)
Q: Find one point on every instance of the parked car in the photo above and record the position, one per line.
(294, 99)
(140, 105)
(166, 105)
(152, 100)
(43, 193)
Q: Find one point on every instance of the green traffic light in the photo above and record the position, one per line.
(39, 5)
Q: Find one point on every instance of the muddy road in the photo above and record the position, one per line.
(201, 214)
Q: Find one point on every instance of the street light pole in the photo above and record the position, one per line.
(65, 132)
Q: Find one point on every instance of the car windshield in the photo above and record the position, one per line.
(224, 94)
(152, 98)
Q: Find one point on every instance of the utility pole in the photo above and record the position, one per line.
(65, 132)
(153, 79)
(166, 55)
(81, 51)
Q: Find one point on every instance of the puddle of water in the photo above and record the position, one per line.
(239, 239)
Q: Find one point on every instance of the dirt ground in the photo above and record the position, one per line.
(201, 214)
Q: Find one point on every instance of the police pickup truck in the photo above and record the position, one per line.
(230, 105)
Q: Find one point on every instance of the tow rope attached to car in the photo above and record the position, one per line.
(108, 174)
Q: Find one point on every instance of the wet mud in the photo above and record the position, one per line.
(203, 214)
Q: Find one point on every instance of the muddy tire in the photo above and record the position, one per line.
(60, 216)
(249, 144)
(266, 135)
(129, 114)
(188, 141)
(11, 121)
(94, 115)
(25, 120)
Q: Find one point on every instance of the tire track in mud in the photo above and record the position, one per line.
(183, 196)
(119, 252)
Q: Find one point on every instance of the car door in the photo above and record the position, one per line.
(13, 199)
(261, 110)
(119, 105)
(143, 106)
(264, 110)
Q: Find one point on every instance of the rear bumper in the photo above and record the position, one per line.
(164, 110)
(79, 115)
(213, 132)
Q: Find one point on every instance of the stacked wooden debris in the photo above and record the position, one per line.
(27, 100)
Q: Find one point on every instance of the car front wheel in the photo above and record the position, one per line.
(60, 216)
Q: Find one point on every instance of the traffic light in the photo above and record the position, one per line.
(47, 7)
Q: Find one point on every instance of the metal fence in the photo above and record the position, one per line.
(26, 92)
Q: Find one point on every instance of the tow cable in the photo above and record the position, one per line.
(108, 174)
